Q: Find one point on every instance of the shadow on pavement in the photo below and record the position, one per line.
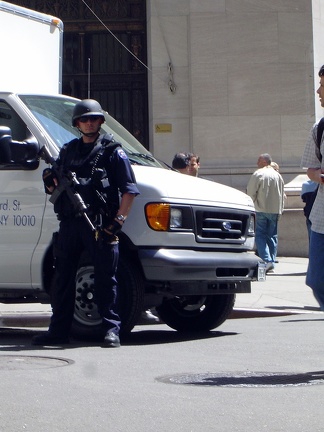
(154, 337)
(14, 339)
(303, 320)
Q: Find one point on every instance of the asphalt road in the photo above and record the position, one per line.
(256, 372)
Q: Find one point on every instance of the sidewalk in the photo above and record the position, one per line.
(283, 292)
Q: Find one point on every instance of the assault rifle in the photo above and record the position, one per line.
(67, 183)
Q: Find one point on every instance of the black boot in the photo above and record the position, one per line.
(49, 339)
(111, 340)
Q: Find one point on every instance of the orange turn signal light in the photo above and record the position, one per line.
(158, 216)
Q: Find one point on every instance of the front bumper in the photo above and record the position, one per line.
(189, 272)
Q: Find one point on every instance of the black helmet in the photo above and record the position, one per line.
(88, 107)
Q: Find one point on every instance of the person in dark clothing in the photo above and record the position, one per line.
(103, 173)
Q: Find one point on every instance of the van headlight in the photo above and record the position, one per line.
(166, 217)
(175, 218)
(251, 227)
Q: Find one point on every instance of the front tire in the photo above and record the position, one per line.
(196, 313)
(87, 322)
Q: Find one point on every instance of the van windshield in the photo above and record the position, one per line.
(54, 113)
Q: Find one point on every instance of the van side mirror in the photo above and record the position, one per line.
(24, 153)
(5, 140)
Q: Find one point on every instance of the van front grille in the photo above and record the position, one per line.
(224, 226)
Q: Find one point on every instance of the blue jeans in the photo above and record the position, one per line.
(266, 236)
(315, 271)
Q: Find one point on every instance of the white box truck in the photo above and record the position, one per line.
(187, 246)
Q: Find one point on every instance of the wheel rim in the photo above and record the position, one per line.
(86, 310)
(187, 306)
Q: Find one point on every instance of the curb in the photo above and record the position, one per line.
(25, 320)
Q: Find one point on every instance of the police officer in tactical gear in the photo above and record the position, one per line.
(103, 173)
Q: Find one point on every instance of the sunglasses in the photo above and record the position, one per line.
(92, 119)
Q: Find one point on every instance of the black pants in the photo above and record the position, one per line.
(73, 237)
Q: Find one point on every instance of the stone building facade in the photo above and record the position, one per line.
(245, 75)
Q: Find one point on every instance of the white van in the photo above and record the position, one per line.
(186, 248)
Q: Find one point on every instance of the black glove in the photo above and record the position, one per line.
(48, 179)
(111, 231)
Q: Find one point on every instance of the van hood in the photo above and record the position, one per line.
(171, 186)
